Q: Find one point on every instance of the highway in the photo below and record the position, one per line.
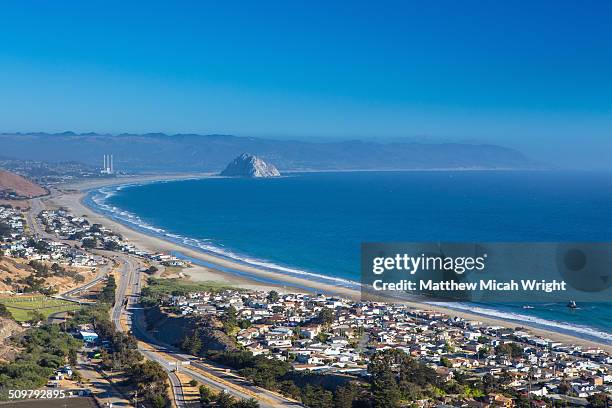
(129, 286)
(170, 358)
(102, 273)
(127, 308)
(36, 207)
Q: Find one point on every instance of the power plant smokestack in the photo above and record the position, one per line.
(109, 165)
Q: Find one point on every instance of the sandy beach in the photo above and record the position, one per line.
(71, 197)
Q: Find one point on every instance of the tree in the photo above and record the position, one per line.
(317, 397)
(36, 317)
(5, 229)
(4, 312)
(446, 362)
(397, 376)
(599, 400)
(511, 350)
(344, 396)
(247, 403)
(150, 379)
(230, 315)
(224, 400)
(89, 243)
(386, 393)
(110, 245)
(289, 388)
(564, 387)
(206, 395)
(490, 383)
(192, 344)
(273, 296)
(230, 321)
(151, 270)
(326, 316)
(76, 376)
(108, 292)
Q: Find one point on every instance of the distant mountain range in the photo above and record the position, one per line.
(158, 152)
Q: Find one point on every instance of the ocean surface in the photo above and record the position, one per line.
(312, 224)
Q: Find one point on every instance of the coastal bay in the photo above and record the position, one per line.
(238, 273)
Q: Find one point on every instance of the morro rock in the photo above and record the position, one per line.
(247, 165)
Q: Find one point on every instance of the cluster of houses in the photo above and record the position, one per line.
(67, 226)
(13, 220)
(20, 245)
(50, 173)
(290, 327)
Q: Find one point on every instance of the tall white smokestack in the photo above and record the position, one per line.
(104, 167)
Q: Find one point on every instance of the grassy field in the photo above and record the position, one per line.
(172, 270)
(167, 286)
(22, 307)
(158, 287)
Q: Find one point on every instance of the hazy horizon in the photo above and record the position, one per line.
(534, 78)
(550, 161)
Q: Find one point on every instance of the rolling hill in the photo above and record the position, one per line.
(14, 186)
(158, 152)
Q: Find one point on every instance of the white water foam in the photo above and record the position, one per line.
(100, 197)
(534, 320)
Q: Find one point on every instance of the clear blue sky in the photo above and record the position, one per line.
(528, 74)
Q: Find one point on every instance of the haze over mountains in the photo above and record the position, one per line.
(158, 152)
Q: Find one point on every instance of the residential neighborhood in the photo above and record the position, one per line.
(328, 334)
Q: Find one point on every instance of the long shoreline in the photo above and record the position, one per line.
(212, 267)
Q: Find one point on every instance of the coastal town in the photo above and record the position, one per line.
(327, 335)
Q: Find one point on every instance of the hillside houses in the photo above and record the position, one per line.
(289, 327)
(68, 227)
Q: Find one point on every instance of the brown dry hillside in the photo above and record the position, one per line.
(14, 270)
(13, 184)
(8, 328)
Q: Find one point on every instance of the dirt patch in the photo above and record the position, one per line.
(14, 186)
(13, 270)
(8, 328)
(172, 329)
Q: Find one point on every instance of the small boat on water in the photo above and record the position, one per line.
(527, 307)
(572, 305)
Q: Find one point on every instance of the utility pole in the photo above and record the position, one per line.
(529, 389)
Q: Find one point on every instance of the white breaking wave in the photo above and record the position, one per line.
(100, 197)
(534, 320)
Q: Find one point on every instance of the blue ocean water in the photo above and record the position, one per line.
(315, 222)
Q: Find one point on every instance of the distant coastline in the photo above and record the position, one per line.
(158, 152)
